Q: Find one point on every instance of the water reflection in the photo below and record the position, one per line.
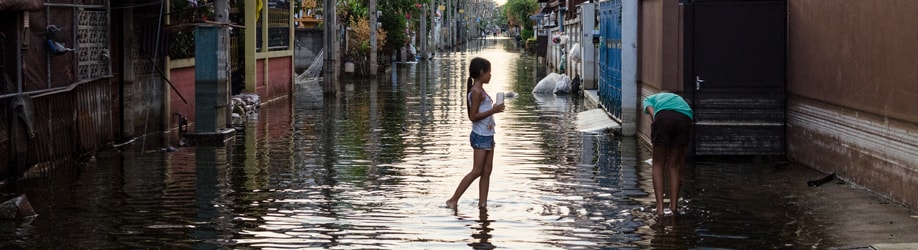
(483, 231)
(370, 168)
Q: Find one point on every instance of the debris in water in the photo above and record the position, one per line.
(823, 180)
(15, 208)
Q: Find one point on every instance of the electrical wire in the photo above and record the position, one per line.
(146, 121)
(118, 6)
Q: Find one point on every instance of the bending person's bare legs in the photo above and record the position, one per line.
(660, 153)
(674, 165)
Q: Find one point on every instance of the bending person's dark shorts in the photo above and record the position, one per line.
(670, 128)
(481, 141)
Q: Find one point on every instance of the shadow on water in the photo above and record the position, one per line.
(371, 167)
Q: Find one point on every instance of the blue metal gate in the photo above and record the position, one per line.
(610, 57)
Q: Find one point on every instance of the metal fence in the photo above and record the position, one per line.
(610, 57)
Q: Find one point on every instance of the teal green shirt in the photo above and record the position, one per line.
(667, 101)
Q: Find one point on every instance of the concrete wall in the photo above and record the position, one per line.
(659, 54)
(852, 91)
(280, 78)
(308, 43)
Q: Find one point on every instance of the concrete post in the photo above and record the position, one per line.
(450, 24)
(211, 88)
(629, 66)
(373, 20)
(433, 31)
(331, 48)
(221, 12)
(587, 48)
(422, 49)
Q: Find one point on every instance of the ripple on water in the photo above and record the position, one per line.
(371, 168)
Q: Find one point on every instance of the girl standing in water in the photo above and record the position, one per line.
(481, 108)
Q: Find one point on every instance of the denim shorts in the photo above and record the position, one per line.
(481, 141)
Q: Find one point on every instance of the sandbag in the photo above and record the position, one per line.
(547, 84)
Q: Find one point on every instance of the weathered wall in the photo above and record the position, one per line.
(858, 54)
(852, 86)
(183, 79)
(280, 78)
(308, 44)
(864, 148)
(143, 86)
(659, 54)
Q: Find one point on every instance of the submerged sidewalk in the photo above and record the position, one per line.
(835, 215)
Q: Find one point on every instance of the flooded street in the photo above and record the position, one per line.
(372, 167)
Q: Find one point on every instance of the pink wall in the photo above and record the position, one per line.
(280, 77)
(183, 80)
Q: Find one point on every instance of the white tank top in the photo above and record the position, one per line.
(484, 126)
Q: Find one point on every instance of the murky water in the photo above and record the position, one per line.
(372, 167)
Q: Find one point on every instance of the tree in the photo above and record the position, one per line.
(518, 12)
(355, 14)
(395, 21)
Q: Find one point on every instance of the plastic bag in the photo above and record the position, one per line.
(547, 84)
(574, 54)
(563, 86)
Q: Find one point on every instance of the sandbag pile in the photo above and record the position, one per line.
(245, 105)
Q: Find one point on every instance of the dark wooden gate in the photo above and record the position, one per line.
(735, 75)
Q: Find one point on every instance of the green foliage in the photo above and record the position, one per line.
(351, 11)
(181, 41)
(297, 6)
(183, 11)
(501, 17)
(394, 21)
(526, 33)
(518, 12)
(394, 24)
(181, 44)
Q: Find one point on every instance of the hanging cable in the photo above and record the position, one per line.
(146, 120)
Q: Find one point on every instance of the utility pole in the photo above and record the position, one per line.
(331, 48)
(449, 19)
(434, 29)
(423, 33)
(373, 27)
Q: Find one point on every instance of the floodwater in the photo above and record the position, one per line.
(372, 167)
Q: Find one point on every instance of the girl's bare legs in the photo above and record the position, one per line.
(660, 153)
(674, 165)
(485, 181)
(478, 167)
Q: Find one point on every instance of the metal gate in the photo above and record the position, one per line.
(610, 57)
(735, 74)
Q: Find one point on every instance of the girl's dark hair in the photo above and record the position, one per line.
(476, 66)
